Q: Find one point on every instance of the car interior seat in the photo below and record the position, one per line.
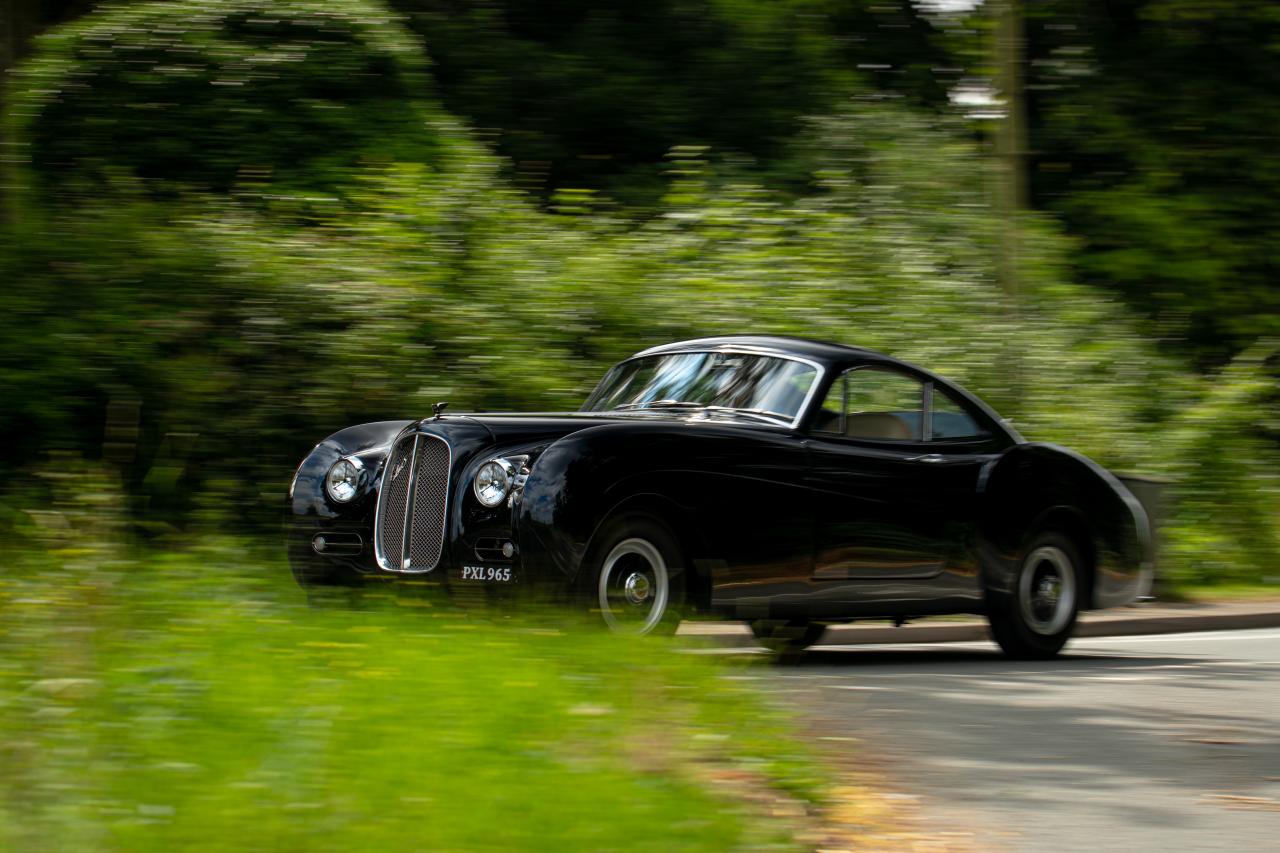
(876, 425)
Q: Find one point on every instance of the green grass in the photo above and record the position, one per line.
(1230, 591)
(196, 702)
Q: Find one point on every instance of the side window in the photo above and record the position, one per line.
(950, 421)
(874, 404)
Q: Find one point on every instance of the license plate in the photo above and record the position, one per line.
(488, 574)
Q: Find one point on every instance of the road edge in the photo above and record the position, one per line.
(1121, 622)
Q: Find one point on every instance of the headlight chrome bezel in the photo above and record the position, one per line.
(480, 483)
(355, 481)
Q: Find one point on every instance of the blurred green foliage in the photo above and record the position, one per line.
(584, 94)
(184, 96)
(197, 318)
(1155, 139)
(1149, 120)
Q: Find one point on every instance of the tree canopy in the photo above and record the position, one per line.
(189, 95)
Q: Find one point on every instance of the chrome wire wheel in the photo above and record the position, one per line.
(1047, 590)
(634, 587)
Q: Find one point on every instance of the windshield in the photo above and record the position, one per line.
(757, 384)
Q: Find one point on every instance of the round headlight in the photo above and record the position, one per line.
(492, 482)
(343, 480)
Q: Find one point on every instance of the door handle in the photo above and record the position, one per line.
(931, 458)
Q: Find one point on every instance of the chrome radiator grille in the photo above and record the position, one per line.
(413, 502)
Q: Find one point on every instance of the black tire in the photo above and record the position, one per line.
(1035, 620)
(787, 636)
(634, 579)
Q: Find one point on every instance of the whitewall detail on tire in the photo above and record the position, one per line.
(634, 588)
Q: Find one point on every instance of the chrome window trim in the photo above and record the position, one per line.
(378, 549)
(926, 402)
(738, 350)
(926, 413)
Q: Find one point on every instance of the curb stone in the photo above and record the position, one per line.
(1119, 622)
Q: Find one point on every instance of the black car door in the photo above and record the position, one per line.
(872, 478)
(895, 468)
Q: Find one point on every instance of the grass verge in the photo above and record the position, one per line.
(196, 702)
(1222, 592)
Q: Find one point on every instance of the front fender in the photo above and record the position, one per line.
(582, 479)
(370, 442)
(563, 501)
(310, 511)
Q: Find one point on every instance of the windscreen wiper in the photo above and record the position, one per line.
(660, 404)
(763, 414)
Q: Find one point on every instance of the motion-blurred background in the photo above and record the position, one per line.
(231, 227)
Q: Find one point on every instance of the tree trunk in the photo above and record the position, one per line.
(1011, 140)
(1010, 190)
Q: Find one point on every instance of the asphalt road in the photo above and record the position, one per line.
(1130, 743)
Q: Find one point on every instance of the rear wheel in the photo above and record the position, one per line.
(637, 582)
(1036, 620)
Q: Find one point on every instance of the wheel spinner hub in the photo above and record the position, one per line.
(637, 588)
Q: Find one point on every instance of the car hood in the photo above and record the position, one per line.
(510, 427)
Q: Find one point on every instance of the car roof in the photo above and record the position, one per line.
(828, 354)
(834, 358)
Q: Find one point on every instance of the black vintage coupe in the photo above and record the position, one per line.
(787, 482)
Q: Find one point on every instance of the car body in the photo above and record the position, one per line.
(787, 482)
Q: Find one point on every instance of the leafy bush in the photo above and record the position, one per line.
(1221, 451)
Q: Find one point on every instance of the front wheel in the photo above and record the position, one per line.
(1036, 620)
(637, 585)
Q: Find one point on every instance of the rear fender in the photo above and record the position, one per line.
(1036, 487)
